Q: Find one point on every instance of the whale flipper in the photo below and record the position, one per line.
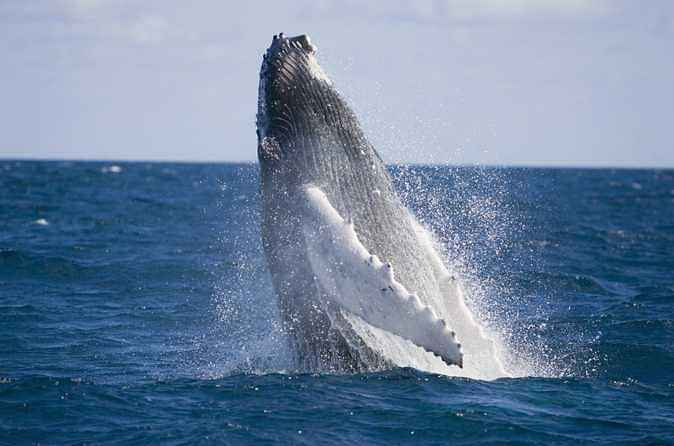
(363, 285)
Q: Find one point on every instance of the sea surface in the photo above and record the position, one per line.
(136, 308)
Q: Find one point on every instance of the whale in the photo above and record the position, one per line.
(359, 281)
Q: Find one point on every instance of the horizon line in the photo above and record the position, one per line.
(448, 164)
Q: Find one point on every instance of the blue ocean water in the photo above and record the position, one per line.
(135, 308)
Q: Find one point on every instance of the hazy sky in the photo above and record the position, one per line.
(552, 82)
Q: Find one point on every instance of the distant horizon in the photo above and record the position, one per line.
(251, 162)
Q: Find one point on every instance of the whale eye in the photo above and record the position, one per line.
(269, 149)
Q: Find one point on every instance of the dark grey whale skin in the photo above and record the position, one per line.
(308, 134)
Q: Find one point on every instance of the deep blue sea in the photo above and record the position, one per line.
(136, 308)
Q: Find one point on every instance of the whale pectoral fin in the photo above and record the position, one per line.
(363, 285)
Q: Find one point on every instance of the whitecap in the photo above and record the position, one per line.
(111, 169)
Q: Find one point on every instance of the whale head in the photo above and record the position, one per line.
(295, 97)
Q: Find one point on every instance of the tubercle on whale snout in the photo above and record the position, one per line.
(301, 42)
(281, 45)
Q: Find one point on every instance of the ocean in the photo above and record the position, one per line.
(136, 308)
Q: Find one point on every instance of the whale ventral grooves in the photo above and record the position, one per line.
(292, 88)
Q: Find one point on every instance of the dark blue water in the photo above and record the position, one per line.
(135, 308)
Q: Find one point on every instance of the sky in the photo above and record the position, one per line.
(519, 82)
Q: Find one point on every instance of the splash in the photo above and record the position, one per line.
(466, 215)
(241, 332)
(474, 217)
(246, 335)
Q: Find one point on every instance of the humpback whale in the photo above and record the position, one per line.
(360, 285)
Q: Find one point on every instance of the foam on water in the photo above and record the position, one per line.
(111, 169)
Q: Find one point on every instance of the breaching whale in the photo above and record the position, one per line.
(359, 283)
